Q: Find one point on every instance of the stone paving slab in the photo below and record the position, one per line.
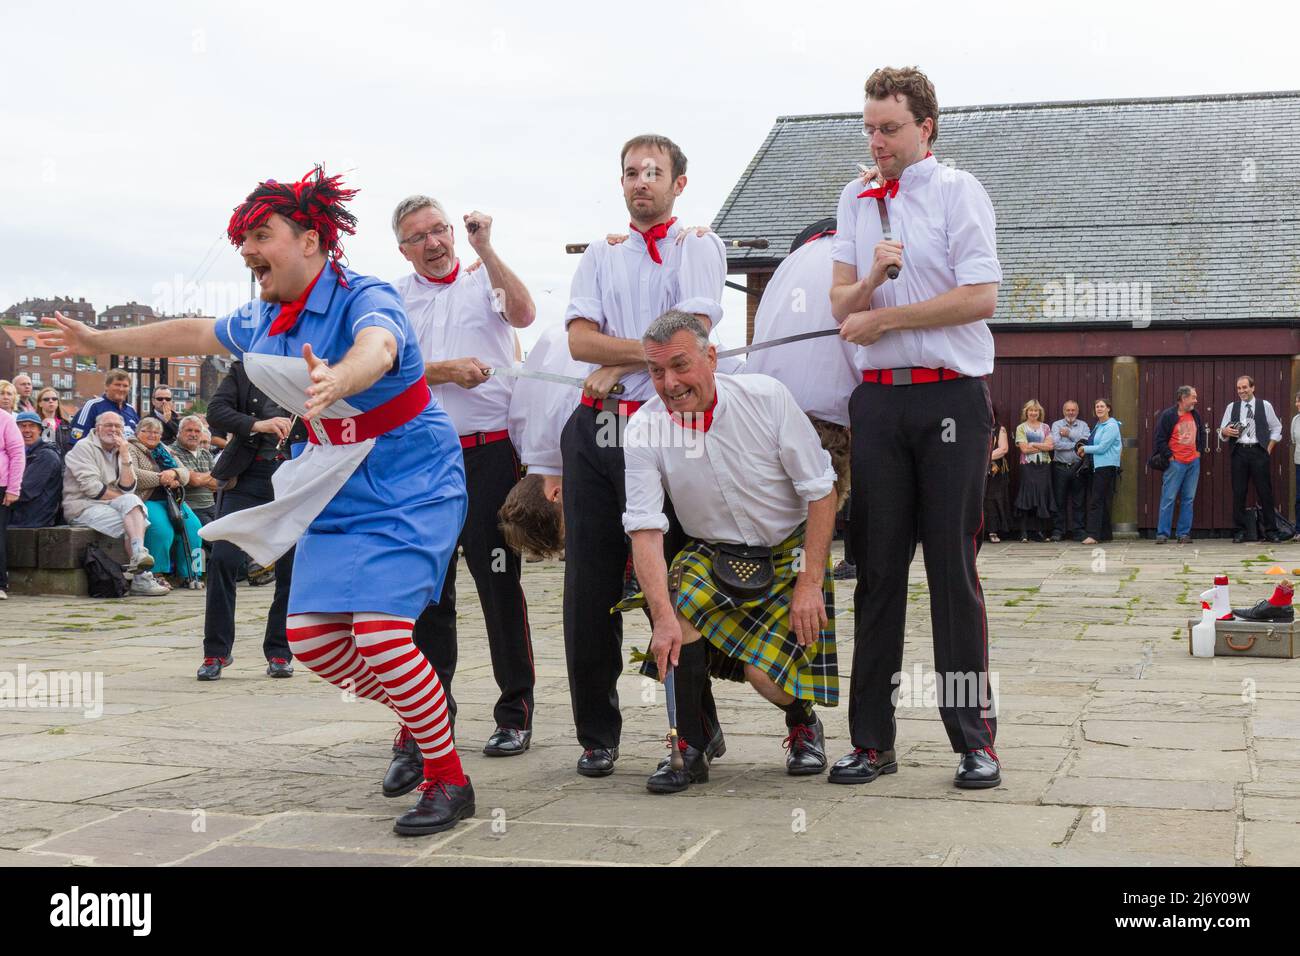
(1119, 749)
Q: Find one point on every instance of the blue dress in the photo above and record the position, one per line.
(383, 543)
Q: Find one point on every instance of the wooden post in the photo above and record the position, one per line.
(1124, 407)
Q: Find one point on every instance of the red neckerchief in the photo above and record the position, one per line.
(652, 237)
(448, 279)
(889, 190)
(288, 316)
(697, 421)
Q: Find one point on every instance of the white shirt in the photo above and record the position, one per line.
(820, 373)
(1249, 433)
(623, 290)
(945, 221)
(538, 410)
(747, 480)
(460, 320)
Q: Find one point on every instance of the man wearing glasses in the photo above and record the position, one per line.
(465, 320)
(920, 421)
(164, 409)
(117, 386)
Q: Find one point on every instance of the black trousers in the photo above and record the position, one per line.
(490, 472)
(1068, 491)
(595, 556)
(1100, 493)
(224, 564)
(6, 512)
(920, 459)
(1250, 464)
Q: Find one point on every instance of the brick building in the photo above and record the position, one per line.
(78, 309)
(1143, 246)
(20, 353)
(120, 316)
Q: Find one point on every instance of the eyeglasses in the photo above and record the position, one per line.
(889, 130)
(420, 238)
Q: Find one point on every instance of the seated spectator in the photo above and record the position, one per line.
(99, 484)
(23, 383)
(164, 409)
(8, 398)
(38, 504)
(12, 464)
(191, 450)
(157, 472)
(58, 427)
(117, 387)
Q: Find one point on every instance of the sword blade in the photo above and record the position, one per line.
(892, 271)
(670, 691)
(771, 343)
(515, 371)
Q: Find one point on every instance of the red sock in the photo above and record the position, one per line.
(1282, 595)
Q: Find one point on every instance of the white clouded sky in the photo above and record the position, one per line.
(130, 130)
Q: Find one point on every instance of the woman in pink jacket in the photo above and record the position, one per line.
(13, 460)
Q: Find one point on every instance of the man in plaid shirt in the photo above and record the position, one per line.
(743, 467)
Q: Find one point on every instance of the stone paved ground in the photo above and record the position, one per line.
(1118, 747)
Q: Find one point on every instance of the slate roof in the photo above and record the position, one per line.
(1198, 196)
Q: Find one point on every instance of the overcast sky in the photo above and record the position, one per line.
(130, 130)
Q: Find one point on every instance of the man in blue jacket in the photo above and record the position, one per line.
(117, 387)
(1180, 441)
(42, 495)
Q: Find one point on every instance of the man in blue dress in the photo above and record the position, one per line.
(379, 538)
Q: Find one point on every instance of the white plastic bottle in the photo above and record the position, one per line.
(1203, 632)
(1218, 598)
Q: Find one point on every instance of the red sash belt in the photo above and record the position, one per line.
(379, 420)
(483, 438)
(909, 376)
(625, 409)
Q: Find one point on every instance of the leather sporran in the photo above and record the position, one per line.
(743, 572)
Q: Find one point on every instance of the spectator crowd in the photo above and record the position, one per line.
(1069, 469)
(146, 480)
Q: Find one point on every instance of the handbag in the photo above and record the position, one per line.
(743, 572)
(1159, 461)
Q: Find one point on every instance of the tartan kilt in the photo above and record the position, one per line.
(754, 632)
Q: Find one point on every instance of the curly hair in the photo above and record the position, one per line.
(911, 84)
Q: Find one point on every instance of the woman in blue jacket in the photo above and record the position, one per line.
(1105, 451)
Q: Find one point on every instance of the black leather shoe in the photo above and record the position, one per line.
(717, 746)
(279, 667)
(668, 780)
(508, 742)
(978, 770)
(1277, 537)
(438, 809)
(211, 667)
(598, 762)
(807, 746)
(1238, 538)
(1057, 536)
(863, 766)
(407, 768)
(1263, 611)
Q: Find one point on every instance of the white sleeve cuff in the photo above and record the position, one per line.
(584, 308)
(814, 489)
(645, 522)
(701, 305)
(978, 271)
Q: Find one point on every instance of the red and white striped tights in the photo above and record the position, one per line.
(372, 655)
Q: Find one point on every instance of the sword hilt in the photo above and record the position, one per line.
(892, 272)
(675, 759)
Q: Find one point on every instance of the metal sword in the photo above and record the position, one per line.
(670, 692)
(892, 270)
(786, 340)
(514, 371)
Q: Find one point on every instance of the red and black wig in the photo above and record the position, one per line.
(314, 202)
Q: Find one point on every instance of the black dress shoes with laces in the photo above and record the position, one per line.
(978, 770)
(508, 742)
(1264, 611)
(863, 766)
(668, 780)
(807, 746)
(440, 806)
(407, 767)
(598, 762)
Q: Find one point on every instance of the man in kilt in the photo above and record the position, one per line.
(749, 597)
